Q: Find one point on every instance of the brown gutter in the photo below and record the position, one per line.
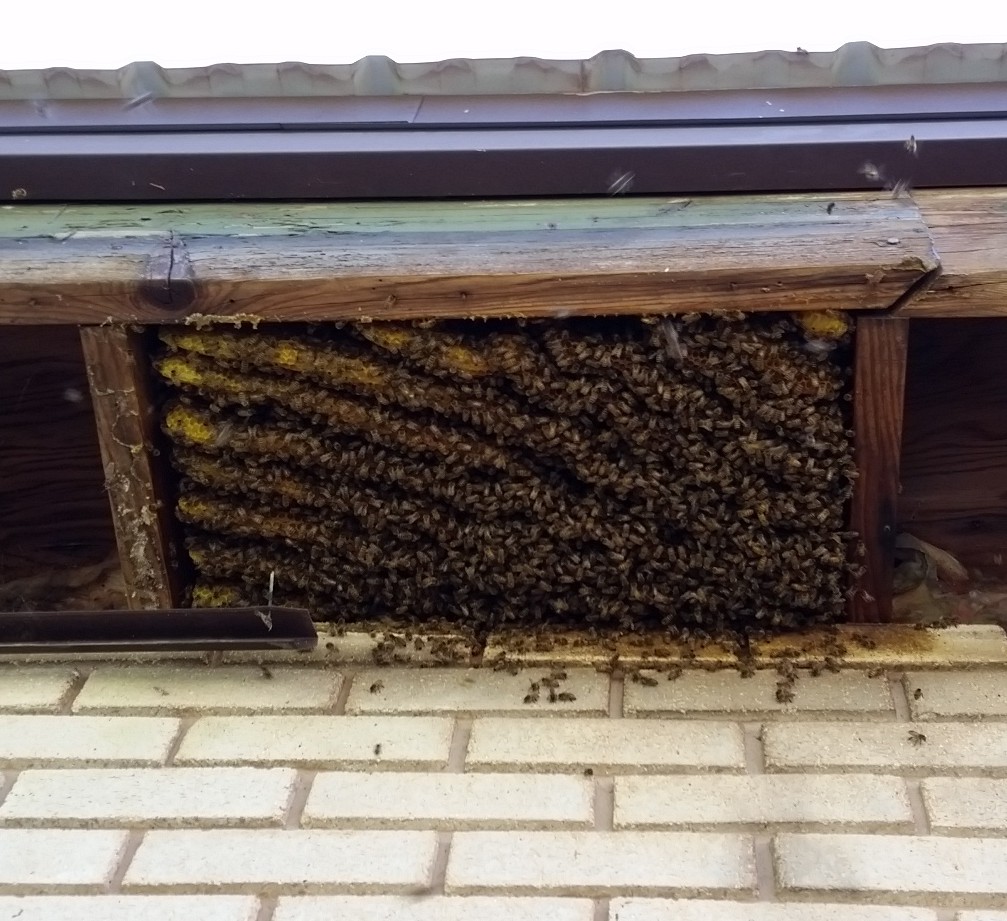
(455, 147)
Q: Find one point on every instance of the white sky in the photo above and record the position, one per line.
(185, 33)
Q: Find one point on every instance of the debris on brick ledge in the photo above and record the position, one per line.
(618, 473)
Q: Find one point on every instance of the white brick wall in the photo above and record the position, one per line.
(434, 908)
(475, 690)
(857, 802)
(228, 689)
(623, 746)
(255, 799)
(150, 797)
(79, 741)
(34, 688)
(980, 694)
(319, 742)
(899, 866)
(43, 859)
(129, 908)
(270, 860)
(707, 910)
(387, 800)
(948, 748)
(964, 806)
(599, 864)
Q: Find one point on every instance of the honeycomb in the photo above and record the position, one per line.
(625, 473)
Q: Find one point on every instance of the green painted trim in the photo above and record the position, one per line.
(26, 221)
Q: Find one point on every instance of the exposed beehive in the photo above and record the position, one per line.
(620, 472)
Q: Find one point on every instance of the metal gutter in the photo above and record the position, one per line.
(419, 161)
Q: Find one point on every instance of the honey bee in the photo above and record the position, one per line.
(784, 692)
(916, 738)
(377, 686)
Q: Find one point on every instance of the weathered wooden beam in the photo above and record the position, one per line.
(878, 397)
(201, 263)
(969, 230)
(137, 487)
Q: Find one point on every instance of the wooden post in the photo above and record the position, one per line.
(134, 476)
(878, 394)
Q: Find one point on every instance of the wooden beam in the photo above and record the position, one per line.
(878, 396)
(281, 262)
(137, 486)
(969, 230)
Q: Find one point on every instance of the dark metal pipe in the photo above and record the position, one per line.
(174, 630)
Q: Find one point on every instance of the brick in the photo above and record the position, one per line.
(849, 694)
(901, 867)
(274, 860)
(150, 797)
(961, 805)
(34, 688)
(957, 694)
(861, 802)
(129, 908)
(449, 801)
(981, 916)
(435, 908)
(85, 741)
(166, 689)
(950, 748)
(597, 864)
(618, 746)
(705, 910)
(31, 857)
(472, 691)
(319, 742)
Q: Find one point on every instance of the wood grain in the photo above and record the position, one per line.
(53, 509)
(879, 388)
(954, 467)
(137, 483)
(969, 230)
(200, 263)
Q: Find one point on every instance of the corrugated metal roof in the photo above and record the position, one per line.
(854, 64)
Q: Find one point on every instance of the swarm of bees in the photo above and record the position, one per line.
(579, 471)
